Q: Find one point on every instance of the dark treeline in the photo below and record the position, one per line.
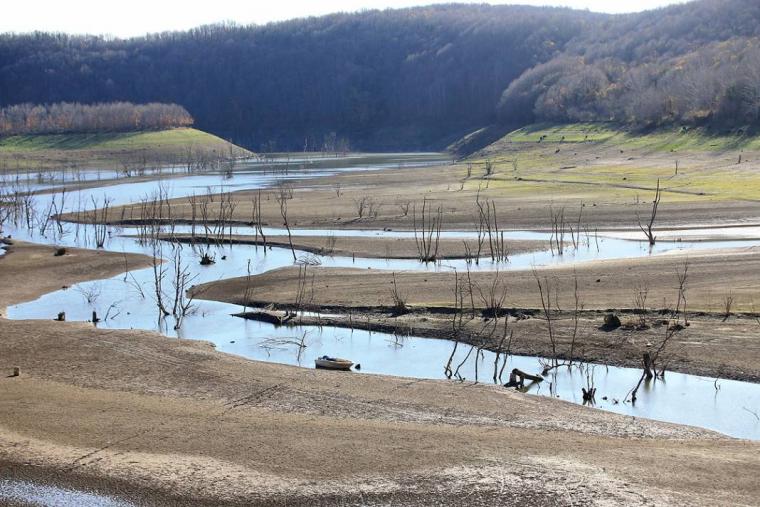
(67, 117)
(383, 79)
(412, 78)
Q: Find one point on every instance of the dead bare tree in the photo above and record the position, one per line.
(427, 232)
(304, 290)
(330, 242)
(43, 219)
(672, 327)
(247, 293)
(361, 206)
(488, 167)
(728, 303)
(399, 300)
(489, 227)
(100, 219)
(682, 276)
(182, 279)
(282, 198)
(203, 209)
(159, 274)
(507, 334)
(457, 323)
(545, 292)
(482, 336)
(493, 296)
(575, 234)
(589, 392)
(648, 227)
(577, 309)
(459, 366)
(557, 238)
(256, 220)
(193, 201)
(58, 209)
(228, 163)
(224, 218)
(89, 291)
(640, 294)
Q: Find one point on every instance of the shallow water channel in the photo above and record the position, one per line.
(126, 301)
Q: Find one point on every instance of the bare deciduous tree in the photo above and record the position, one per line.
(672, 327)
(640, 295)
(728, 303)
(545, 293)
(427, 232)
(100, 219)
(399, 299)
(648, 227)
(282, 199)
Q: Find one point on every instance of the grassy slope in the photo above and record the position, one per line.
(107, 148)
(596, 159)
(693, 139)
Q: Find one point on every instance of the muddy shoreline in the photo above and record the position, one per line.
(142, 416)
(163, 419)
(604, 348)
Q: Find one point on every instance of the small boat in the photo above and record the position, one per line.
(333, 363)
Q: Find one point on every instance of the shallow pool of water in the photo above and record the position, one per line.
(253, 173)
(728, 410)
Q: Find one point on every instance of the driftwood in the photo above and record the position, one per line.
(268, 316)
(517, 378)
(207, 260)
(648, 366)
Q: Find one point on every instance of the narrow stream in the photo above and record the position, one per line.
(126, 302)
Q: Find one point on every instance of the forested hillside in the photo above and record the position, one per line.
(690, 63)
(412, 78)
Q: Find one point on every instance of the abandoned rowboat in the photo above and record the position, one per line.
(333, 363)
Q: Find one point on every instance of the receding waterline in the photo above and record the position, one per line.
(120, 304)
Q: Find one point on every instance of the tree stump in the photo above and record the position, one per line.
(648, 366)
(611, 322)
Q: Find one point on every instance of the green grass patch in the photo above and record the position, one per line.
(572, 133)
(671, 139)
(601, 162)
(115, 141)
